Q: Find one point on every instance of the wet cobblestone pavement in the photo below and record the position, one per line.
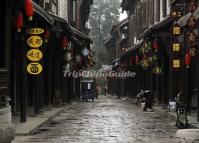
(106, 120)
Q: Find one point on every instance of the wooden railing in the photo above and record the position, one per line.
(3, 87)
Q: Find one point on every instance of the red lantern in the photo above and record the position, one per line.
(137, 59)
(19, 22)
(65, 42)
(155, 44)
(187, 60)
(29, 9)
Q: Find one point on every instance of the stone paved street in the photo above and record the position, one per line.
(106, 120)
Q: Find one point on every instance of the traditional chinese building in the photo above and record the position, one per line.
(37, 45)
(167, 59)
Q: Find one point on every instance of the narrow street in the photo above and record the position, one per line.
(106, 120)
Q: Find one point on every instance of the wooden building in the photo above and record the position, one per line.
(116, 45)
(36, 47)
(167, 60)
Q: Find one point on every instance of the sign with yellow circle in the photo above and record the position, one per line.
(34, 55)
(34, 68)
(34, 41)
(35, 31)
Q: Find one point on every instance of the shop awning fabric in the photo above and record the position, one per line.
(44, 14)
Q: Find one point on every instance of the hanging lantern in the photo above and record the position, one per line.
(65, 42)
(187, 60)
(19, 22)
(155, 44)
(29, 9)
(137, 59)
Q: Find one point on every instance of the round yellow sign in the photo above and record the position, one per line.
(35, 31)
(34, 55)
(34, 41)
(34, 68)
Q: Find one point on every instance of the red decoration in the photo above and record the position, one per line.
(187, 60)
(29, 9)
(65, 42)
(19, 22)
(155, 44)
(137, 59)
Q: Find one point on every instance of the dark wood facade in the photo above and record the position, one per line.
(156, 70)
(31, 94)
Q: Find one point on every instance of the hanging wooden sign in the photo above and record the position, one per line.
(35, 31)
(176, 30)
(176, 14)
(34, 68)
(34, 41)
(192, 52)
(176, 63)
(191, 5)
(34, 55)
(192, 22)
(176, 47)
(191, 37)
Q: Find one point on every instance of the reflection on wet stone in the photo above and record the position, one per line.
(106, 120)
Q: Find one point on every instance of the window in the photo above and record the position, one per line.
(54, 6)
(74, 10)
(164, 9)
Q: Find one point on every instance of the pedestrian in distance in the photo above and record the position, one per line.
(105, 91)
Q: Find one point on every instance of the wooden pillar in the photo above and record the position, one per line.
(7, 40)
(24, 82)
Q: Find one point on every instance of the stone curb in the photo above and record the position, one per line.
(45, 121)
(7, 132)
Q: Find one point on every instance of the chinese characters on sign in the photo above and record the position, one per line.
(35, 31)
(176, 30)
(176, 47)
(34, 68)
(34, 41)
(176, 14)
(34, 55)
(176, 63)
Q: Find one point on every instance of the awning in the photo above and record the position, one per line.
(168, 19)
(44, 14)
(66, 27)
(131, 50)
(81, 35)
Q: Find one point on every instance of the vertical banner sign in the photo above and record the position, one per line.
(34, 54)
(176, 45)
(192, 34)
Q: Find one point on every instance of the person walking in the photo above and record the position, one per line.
(105, 91)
